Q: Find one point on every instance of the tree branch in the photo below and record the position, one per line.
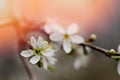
(104, 51)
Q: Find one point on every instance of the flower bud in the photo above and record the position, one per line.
(112, 51)
(92, 38)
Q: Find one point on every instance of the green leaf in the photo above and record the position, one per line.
(51, 68)
(115, 57)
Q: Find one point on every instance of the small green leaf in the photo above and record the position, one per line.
(115, 57)
(51, 68)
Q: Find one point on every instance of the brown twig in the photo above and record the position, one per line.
(104, 51)
(21, 44)
(28, 68)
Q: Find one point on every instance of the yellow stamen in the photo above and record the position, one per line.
(66, 36)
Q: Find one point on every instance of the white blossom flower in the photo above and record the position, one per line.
(52, 27)
(118, 67)
(67, 37)
(81, 59)
(41, 51)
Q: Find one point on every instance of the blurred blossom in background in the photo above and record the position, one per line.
(93, 16)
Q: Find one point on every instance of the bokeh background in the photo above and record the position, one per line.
(101, 17)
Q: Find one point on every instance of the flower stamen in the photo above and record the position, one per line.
(66, 36)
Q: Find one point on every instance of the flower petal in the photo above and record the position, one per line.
(88, 49)
(57, 28)
(45, 63)
(80, 61)
(53, 27)
(77, 63)
(79, 50)
(67, 46)
(45, 44)
(47, 29)
(34, 59)
(26, 53)
(52, 60)
(40, 41)
(118, 68)
(56, 36)
(119, 48)
(49, 52)
(77, 39)
(72, 29)
(33, 42)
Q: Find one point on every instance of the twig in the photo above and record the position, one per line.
(26, 64)
(104, 51)
(28, 68)
(24, 61)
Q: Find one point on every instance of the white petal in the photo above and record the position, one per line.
(26, 53)
(57, 28)
(49, 52)
(77, 39)
(80, 50)
(52, 60)
(80, 61)
(34, 59)
(40, 41)
(72, 29)
(88, 49)
(33, 42)
(55, 46)
(77, 63)
(118, 68)
(53, 27)
(45, 63)
(67, 46)
(119, 48)
(56, 36)
(47, 29)
(45, 44)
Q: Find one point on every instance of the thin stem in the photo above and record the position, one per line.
(21, 44)
(28, 69)
(26, 64)
(104, 51)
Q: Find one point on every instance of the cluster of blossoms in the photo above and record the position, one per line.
(42, 53)
(67, 37)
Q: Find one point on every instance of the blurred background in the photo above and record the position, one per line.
(101, 17)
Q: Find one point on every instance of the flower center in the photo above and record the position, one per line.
(38, 51)
(66, 36)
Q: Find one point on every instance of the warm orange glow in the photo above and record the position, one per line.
(88, 13)
(6, 12)
(2, 4)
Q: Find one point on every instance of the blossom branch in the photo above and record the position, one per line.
(102, 50)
